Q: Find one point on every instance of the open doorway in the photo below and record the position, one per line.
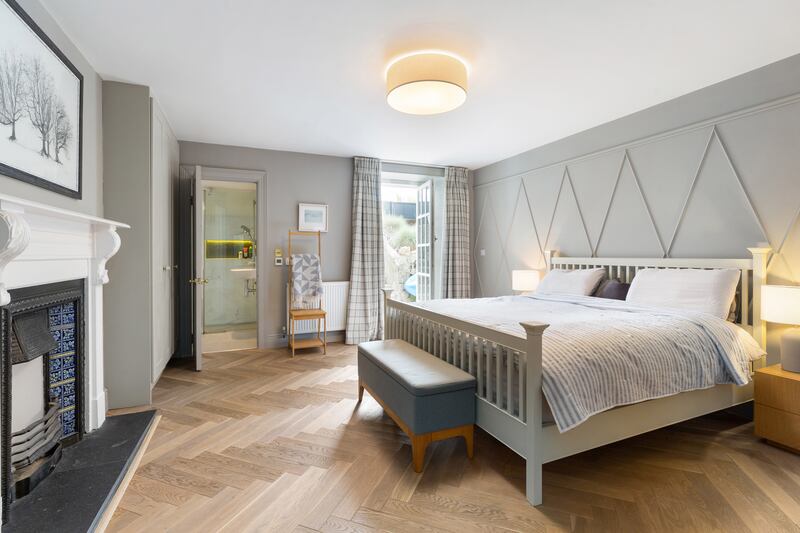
(221, 218)
(413, 207)
(230, 303)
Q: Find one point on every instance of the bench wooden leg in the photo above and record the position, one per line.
(419, 444)
(469, 438)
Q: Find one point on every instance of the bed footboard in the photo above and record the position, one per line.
(508, 370)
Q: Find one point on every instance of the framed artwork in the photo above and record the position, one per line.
(41, 106)
(313, 217)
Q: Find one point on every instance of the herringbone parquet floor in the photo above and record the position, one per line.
(261, 442)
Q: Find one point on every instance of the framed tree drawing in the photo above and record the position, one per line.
(41, 106)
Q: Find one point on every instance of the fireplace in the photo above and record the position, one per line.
(52, 273)
(43, 374)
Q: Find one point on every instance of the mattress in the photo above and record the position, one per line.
(599, 354)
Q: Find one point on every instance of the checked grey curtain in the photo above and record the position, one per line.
(456, 267)
(364, 308)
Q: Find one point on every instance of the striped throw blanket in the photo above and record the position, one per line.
(599, 354)
(306, 281)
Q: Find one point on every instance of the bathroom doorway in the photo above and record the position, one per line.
(222, 219)
(230, 300)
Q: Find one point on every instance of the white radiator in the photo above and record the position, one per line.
(334, 301)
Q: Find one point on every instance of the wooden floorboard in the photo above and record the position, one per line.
(259, 441)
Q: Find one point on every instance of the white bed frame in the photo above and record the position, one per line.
(519, 426)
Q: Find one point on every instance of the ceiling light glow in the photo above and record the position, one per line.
(426, 83)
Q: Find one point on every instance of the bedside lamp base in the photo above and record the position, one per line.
(790, 350)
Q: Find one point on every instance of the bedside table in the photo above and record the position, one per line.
(777, 406)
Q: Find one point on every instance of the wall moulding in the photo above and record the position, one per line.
(709, 189)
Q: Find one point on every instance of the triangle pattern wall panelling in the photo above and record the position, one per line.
(522, 247)
(665, 170)
(504, 201)
(629, 230)
(594, 181)
(719, 206)
(542, 188)
(769, 165)
(785, 265)
(707, 191)
(487, 247)
(567, 233)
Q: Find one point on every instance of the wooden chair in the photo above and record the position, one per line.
(295, 315)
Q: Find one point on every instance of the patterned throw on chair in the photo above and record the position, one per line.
(306, 281)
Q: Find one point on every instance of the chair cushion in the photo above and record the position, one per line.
(419, 372)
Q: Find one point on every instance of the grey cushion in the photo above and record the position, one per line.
(613, 289)
(419, 372)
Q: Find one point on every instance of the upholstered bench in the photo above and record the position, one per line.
(429, 399)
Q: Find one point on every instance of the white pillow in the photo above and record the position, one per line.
(708, 291)
(581, 282)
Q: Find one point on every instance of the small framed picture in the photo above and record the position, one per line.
(313, 217)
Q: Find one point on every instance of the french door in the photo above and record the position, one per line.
(424, 240)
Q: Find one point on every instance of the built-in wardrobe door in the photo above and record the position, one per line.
(164, 157)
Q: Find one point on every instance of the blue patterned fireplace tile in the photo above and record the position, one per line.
(63, 365)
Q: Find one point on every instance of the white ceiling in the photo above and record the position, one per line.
(307, 75)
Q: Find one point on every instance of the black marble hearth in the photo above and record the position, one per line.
(74, 497)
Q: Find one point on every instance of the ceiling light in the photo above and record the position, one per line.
(426, 83)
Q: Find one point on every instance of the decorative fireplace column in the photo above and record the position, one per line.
(40, 244)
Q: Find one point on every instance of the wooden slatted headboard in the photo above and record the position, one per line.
(748, 294)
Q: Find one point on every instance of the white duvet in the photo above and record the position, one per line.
(599, 354)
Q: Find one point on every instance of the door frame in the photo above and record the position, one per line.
(259, 177)
(431, 237)
(417, 176)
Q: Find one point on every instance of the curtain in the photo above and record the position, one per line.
(364, 308)
(456, 268)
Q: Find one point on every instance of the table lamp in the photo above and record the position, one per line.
(781, 304)
(524, 280)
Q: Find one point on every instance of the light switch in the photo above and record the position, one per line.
(483, 252)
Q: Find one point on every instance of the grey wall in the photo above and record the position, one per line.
(291, 178)
(92, 201)
(127, 310)
(704, 175)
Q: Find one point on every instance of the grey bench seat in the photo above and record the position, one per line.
(428, 398)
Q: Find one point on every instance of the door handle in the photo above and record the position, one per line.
(199, 281)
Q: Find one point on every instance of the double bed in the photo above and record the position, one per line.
(562, 374)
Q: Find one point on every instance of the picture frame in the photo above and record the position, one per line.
(41, 107)
(312, 217)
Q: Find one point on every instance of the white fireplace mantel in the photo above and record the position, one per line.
(42, 244)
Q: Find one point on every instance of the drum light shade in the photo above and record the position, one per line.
(780, 304)
(426, 83)
(524, 280)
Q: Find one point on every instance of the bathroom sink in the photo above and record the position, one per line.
(245, 272)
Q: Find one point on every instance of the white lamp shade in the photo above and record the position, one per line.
(426, 83)
(524, 280)
(781, 304)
